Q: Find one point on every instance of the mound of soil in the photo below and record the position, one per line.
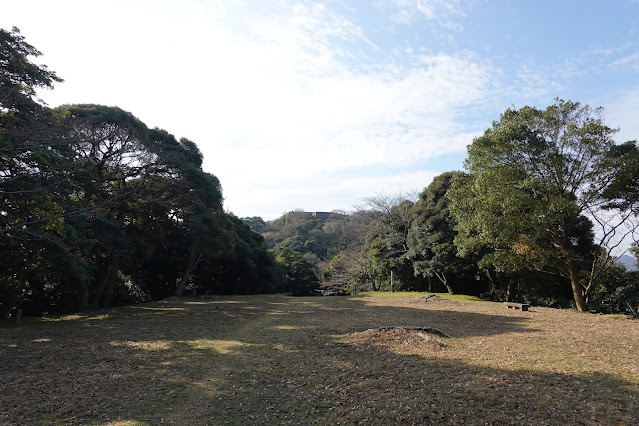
(438, 300)
(433, 298)
(399, 336)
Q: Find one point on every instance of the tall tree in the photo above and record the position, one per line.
(111, 150)
(431, 239)
(207, 228)
(624, 190)
(388, 241)
(93, 204)
(34, 161)
(181, 208)
(247, 268)
(532, 180)
(35, 167)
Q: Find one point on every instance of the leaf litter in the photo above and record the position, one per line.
(330, 360)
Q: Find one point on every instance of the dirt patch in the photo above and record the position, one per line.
(438, 300)
(433, 298)
(414, 337)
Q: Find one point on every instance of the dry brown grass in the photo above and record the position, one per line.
(277, 359)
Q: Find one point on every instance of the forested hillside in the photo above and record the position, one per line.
(316, 243)
(546, 199)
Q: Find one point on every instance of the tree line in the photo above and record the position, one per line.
(96, 208)
(545, 200)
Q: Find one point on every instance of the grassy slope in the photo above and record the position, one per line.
(257, 359)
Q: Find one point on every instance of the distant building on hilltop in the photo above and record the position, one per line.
(299, 214)
(327, 215)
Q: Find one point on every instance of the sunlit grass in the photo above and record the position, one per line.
(460, 297)
(144, 345)
(413, 294)
(72, 317)
(286, 327)
(225, 347)
(162, 309)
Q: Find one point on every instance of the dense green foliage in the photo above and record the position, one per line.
(536, 182)
(298, 274)
(323, 243)
(30, 151)
(97, 209)
(431, 241)
(547, 195)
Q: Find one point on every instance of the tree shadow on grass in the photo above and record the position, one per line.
(275, 359)
(354, 384)
(340, 315)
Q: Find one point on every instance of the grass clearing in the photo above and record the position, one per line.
(277, 359)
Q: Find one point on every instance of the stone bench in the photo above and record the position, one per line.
(513, 305)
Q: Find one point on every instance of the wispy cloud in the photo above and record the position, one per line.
(627, 61)
(312, 108)
(284, 98)
(444, 12)
(611, 50)
(533, 82)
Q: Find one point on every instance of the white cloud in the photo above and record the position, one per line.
(327, 192)
(280, 99)
(349, 120)
(402, 17)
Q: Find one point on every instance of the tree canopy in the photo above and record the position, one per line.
(98, 209)
(431, 240)
(535, 179)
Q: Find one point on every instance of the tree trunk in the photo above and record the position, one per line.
(578, 295)
(580, 300)
(444, 281)
(83, 295)
(509, 289)
(194, 258)
(107, 298)
(102, 283)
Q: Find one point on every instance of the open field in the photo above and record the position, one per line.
(277, 359)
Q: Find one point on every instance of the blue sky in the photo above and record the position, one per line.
(317, 104)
